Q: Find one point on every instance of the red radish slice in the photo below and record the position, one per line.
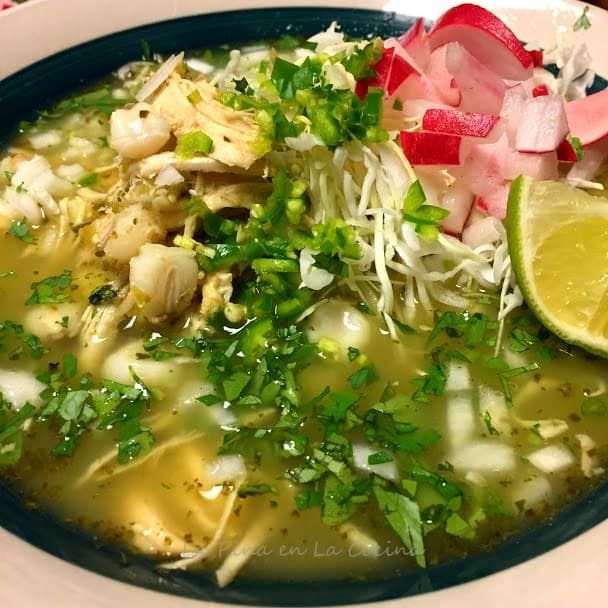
(543, 124)
(486, 37)
(566, 152)
(537, 166)
(481, 89)
(459, 202)
(458, 123)
(588, 117)
(512, 109)
(415, 42)
(484, 165)
(495, 203)
(437, 72)
(392, 70)
(537, 58)
(431, 148)
(540, 90)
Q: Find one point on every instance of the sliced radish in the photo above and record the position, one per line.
(588, 117)
(537, 58)
(486, 37)
(437, 72)
(593, 159)
(458, 200)
(415, 42)
(392, 69)
(472, 124)
(512, 108)
(543, 124)
(495, 202)
(537, 166)
(540, 90)
(566, 152)
(483, 166)
(481, 89)
(431, 148)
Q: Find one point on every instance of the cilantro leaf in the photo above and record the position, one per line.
(102, 294)
(583, 22)
(51, 290)
(364, 376)
(403, 515)
(19, 229)
(256, 490)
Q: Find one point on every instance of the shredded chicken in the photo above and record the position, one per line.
(217, 291)
(233, 132)
(151, 166)
(220, 192)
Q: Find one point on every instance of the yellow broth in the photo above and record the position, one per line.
(163, 503)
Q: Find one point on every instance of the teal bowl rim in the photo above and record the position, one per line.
(37, 86)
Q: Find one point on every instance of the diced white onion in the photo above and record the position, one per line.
(39, 141)
(461, 420)
(552, 458)
(168, 176)
(589, 461)
(531, 491)
(20, 387)
(459, 377)
(226, 468)
(362, 451)
(493, 402)
(312, 276)
(484, 457)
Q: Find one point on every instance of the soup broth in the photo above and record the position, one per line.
(257, 424)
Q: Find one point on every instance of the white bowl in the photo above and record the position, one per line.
(570, 575)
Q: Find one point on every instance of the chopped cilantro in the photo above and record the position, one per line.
(487, 419)
(306, 499)
(379, 458)
(583, 22)
(364, 376)
(19, 229)
(51, 290)
(11, 332)
(403, 515)
(512, 373)
(353, 353)
(102, 294)
(256, 490)
(575, 142)
(457, 526)
(595, 406)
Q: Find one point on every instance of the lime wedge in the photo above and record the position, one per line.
(558, 242)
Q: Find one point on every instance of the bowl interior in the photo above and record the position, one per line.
(36, 87)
